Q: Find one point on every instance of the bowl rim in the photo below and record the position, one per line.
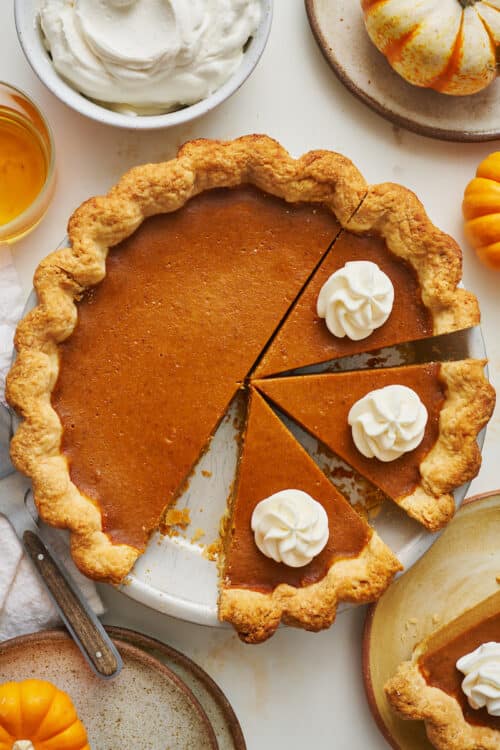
(44, 193)
(27, 27)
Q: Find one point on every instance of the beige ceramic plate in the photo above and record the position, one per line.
(340, 32)
(460, 570)
(148, 707)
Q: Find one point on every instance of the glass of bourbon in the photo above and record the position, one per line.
(27, 164)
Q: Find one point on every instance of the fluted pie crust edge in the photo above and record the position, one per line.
(413, 698)
(362, 579)
(102, 222)
(455, 458)
(99, 224)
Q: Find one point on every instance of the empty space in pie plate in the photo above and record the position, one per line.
(177, 574)
(460, 571)
(339, 29)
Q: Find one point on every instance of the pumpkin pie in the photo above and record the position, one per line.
(424, 266)
(429, 687)
(257, 592)
(458, 400)
(173, 287)
(129, 362)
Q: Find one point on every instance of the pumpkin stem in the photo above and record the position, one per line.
(467, 3)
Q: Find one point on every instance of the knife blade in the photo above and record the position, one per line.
(82, 623)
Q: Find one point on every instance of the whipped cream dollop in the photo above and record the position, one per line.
(388, 422)
(147, 56)
(356, 300)
(482, 677)
(290, 527)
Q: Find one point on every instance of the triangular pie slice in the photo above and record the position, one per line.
(429, 687)
(256, 592)
(151, 321)
(392, 230)
(459, 402)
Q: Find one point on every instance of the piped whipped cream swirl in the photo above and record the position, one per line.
(388, 422)
(290, 527)
(482, 677)
(356, 300)
(147, 56)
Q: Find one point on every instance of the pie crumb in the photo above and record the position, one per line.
(179, 517)
(205, 473)
(211, 551)
(198, 534)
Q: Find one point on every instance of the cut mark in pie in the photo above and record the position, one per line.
(426, 301)
(128, 363)
(257, 592)
(458, 400)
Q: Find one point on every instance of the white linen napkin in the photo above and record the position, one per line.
(25, 605)
(11, 307)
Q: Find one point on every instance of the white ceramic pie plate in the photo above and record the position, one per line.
(175, 575)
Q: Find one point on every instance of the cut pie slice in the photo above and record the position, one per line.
(429, 687)
(130, 360)
(392, 230)
(459, 402)
(256, 592)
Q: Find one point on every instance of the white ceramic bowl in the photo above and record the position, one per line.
(30, 37)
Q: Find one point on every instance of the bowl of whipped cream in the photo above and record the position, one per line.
(143, 64)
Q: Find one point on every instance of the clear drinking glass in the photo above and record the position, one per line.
(27, 164)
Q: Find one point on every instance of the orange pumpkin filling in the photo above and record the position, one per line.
(165, 340)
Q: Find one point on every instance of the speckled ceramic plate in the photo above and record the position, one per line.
(340, 32)
(460, 570)
(150, 706)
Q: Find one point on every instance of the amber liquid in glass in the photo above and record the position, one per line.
(24, 164)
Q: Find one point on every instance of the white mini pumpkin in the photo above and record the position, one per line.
(447, 45)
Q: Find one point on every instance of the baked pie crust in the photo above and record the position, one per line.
(414, 698)
(319, 402)
(256, 593)
(319, 178)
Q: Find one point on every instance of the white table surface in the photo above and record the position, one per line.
(297, 690)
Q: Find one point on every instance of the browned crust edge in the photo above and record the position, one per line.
(317, 177)
(412, 698)
(359, 580)
(396, 214)
(455, 458)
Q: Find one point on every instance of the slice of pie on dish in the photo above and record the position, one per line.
(293, 547)
(151, 321)
(390, 278)
(452, 682)
(411, 431)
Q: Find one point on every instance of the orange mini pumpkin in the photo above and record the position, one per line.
(446, 45)
(35, 715)
(481, 209)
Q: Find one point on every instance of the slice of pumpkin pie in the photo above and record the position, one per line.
(411, 431)
(452, 682)
(293, 546)
(390, 278)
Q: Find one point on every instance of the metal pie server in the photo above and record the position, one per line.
(83, 625)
